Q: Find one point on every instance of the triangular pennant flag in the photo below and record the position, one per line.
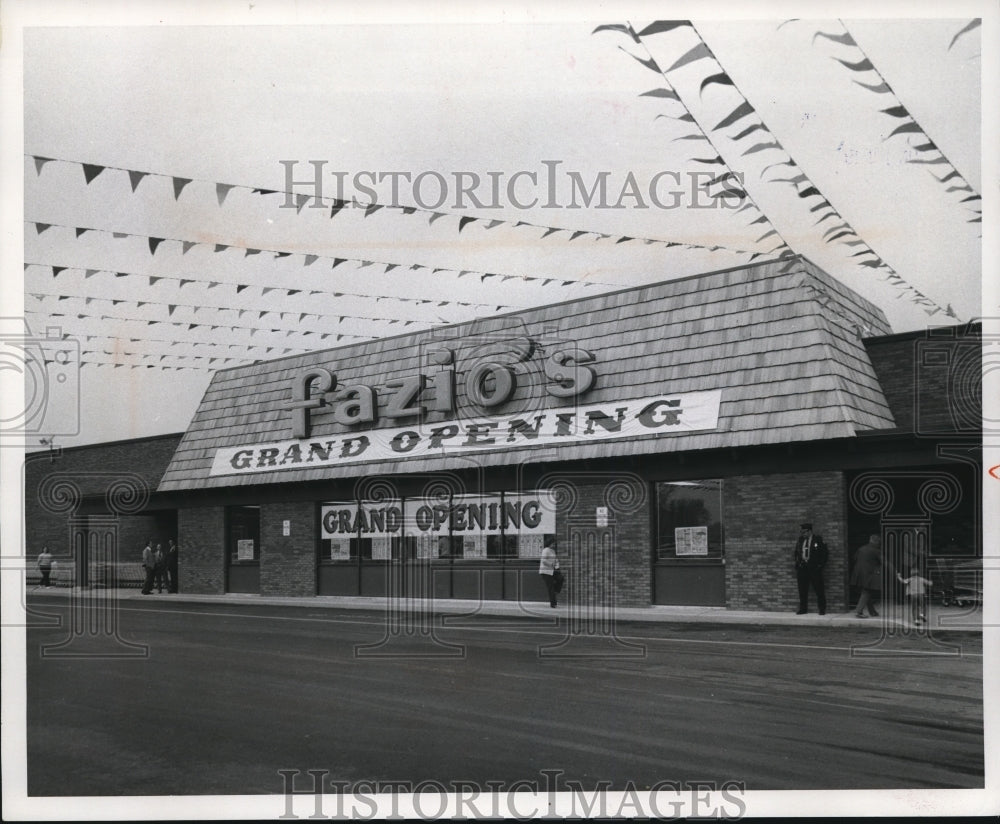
(153, 243)
(760, 147)
(906, 127)
(179, 184)
(281, 255)
(972, 24)
(409, 210)
(57, 269)
(493, 224)
(863, 65)
(721, 78)
(435, 216)
(300, 201)
(220, 247)
(170, 309)
(222, 190)
(41, 227)
(896, 111)
(212, 283)
(661, 26)
(40, 162)
(186, 246)
(750, 130)
(311, 259)
(266, 289)
(670, 94)
(844, 39)
(184, 282)
(337, 262)
(551, 230)
(81, 230)
(119, 235)
(878, 88)
(389, 267)
(620, 27)
(90, 171)
(735, 115)
(372, 208)
(90, 272)
(577, 234)
(336, 207)
(135, 178)
(240, 287)
(696, 53)
(465, 221)
(624, 239)
(251, 252)
(366, 263)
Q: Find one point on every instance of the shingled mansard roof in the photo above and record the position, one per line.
(780, 340)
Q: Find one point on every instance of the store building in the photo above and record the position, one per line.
(669, 438)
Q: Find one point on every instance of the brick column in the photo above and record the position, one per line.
(288, 563)
(201, 539)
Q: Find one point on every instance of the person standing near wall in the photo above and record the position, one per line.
(159, 568)
(149, 566)
(547, 566)
(868, 575)
(810, 556)
(45, 566)
(172, 566)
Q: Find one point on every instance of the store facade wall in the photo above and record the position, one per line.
(762, 516)
(289, 540)
(201, 537)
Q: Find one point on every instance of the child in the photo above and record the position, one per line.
(916, 592)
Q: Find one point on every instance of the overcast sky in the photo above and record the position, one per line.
(226, 104)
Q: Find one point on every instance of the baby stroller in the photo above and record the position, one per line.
(967, 583)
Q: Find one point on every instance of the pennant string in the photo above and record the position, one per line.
(337, 204)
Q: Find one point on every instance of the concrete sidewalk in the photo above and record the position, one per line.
(950, 619)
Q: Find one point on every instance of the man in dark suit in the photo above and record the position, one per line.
(810, 557)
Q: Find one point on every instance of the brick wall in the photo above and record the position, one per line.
(201, 558)
(288, 564)
(932, 379)
(762, 516)
(91, 471)
(596, 556)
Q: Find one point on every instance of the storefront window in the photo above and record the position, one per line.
(370, 530)
(462, 528)
(689, 520)
(536, 521)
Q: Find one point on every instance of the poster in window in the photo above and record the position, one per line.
(244, 549)
(340, 549)
(381, 548)
(530, 546)
(427, 546)
(691, 540)
(474, 546)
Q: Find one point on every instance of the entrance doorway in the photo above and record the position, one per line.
(689, 553)
(243, 549)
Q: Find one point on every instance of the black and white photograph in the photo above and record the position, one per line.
(546, 411)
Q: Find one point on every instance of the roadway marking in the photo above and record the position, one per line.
(539, 631)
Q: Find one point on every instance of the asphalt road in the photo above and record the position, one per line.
(228, 695)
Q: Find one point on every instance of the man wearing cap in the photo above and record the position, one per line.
(810, 557)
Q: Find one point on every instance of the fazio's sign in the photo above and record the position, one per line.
(488, 384)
